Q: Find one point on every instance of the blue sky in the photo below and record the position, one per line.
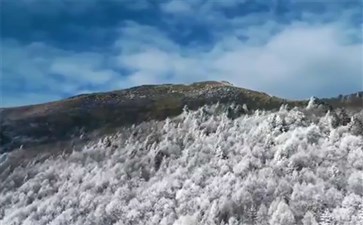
(293, 49)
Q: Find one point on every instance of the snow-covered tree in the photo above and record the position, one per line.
(282, 215)
(262, 215)
(309, 219)
(198, 168)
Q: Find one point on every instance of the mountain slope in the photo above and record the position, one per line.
(286, 167)
(102, 113)
(83, 162)
(62, 120)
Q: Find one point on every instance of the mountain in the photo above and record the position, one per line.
(61, 120)
(218, 159)
(287, 166)
(102, 113)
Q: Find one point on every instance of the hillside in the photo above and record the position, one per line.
(294, 166)
(34, 125)
(94, 115)
(205, 153)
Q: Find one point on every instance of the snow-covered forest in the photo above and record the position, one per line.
(293, 166)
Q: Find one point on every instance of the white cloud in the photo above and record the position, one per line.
(297, 62)
(176, 7)
(203, 9)
(39, 73)
(294, 61)
(83, 67)
(140, 77)
(150, 60)
(134, 37)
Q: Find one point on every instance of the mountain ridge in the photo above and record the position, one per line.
(62, 120)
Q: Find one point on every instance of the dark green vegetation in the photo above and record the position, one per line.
(60, 121)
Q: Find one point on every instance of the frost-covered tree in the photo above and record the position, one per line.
(326, 218)
(262, 215)
(201, 167)
(309, 219)
(282, 215)
(355, 183)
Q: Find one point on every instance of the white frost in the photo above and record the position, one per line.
(199, 168)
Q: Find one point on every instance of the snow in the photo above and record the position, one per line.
(312, 103)
(198, 168)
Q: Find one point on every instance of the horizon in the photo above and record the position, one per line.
(52, 50)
